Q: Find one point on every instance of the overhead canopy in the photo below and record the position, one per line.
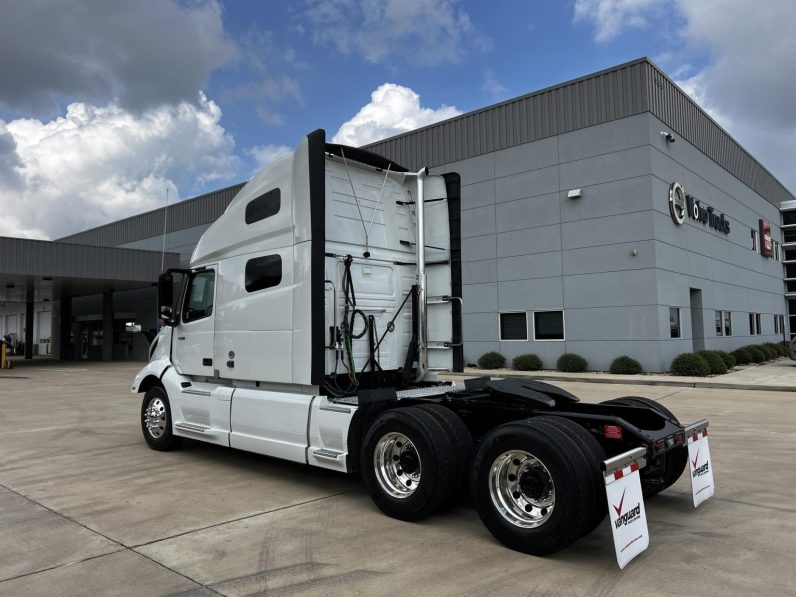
(38, 270)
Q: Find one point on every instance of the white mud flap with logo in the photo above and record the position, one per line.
(626, 504)
(699, 464)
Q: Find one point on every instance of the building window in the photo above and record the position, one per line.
(514, 326)
(727, 323)
(262, 207)
(777, 255)
(199, 298)
(674, 322)
(548, 325)
(718, 323)
(754, 240)
(751, 324)
(263, 272)
(776, 324)
(758, 320)
(782, 324)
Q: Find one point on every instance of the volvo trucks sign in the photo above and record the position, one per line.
(682, 204)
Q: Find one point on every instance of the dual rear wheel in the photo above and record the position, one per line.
(536, 484)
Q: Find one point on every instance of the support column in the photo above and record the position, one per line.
(63, 342)
(107, 325)
(29, 304)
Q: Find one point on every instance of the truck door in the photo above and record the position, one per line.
(193, 337)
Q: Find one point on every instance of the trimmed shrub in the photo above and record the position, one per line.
(714, 361)
(571, 363)
(690, 364)
(770, 353)
(728, 359)
(625, 365)
(785, 348)
(491, 360)
(742, 356)
(774, 349)
(758, 355)
(527, 362)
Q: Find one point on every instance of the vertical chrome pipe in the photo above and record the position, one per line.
(422, 324)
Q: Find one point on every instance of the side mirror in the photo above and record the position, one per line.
(166, 298)
(167, 315)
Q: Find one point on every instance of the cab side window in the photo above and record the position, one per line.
(199, 298)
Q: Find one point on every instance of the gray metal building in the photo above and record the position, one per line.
(575, 237)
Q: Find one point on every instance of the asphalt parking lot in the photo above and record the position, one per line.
(86, 508)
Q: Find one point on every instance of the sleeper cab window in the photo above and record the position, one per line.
(199, 299)
(264, 206)
(263, 272)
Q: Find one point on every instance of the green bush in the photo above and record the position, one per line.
(773, 349)
(492, 360)
(625, 365)
(742, 356)
(690, 364)
(571, 363)
(785, 348)
(527, 362)
(714, 361)
(758, 355)
(768, 351)
(728, 359)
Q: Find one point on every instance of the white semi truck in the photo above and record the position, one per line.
(312, 324)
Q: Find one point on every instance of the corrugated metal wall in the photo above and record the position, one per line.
(44, 258)
(584, 102)
(674, 107)
(184, 214)
(623, 91)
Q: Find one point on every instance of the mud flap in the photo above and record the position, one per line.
(699, 463)
(626, 504)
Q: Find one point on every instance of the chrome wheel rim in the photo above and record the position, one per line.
(155, 418)
(397, 465)
(522, 489)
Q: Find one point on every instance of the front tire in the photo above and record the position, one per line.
(156, 420)
(408, 463)
(532, 487)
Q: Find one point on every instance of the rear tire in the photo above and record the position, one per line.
(156, 420)
(595, 455)
(462, 442)
(532, 487)
(674, 460)
(408, 463)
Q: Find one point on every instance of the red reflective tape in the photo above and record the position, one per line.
(618, 475)
(633, 467)
(696, 436)
(705, 433)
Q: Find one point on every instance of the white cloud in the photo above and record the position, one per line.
(611, 17)
(492, 86)
(139, 54)
(392, 109)
(749, 85)
(98, 164)
(428, 32)
(266, 154)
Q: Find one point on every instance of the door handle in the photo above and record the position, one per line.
(180, 337)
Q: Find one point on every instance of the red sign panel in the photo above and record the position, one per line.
(766, 246)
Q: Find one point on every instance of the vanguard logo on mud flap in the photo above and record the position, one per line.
(628, 516)
(699, 471)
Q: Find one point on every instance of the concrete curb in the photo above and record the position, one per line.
(640, 381)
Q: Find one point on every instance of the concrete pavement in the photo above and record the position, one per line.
(86, 509)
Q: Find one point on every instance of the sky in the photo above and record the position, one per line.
(107, 106)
